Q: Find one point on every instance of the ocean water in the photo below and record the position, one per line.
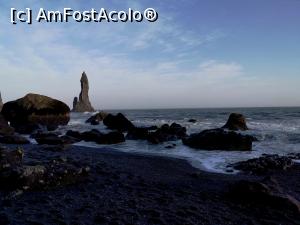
(277, 129)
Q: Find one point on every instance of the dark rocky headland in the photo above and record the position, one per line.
(56, 182)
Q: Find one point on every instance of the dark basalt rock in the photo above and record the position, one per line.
(266, 192)
(5, 129)
(98, 137)
(64, 140)
(54, 139)
(192, 121)
(91, 136)
(167, 133)
(14, 139)
(35, 110)
(111, 138)
(97, 118)
(28, 128)
(16, 175)
(83, 104)
(236, 122)
(138, 133)
(264, 164)
(117, 122)
(42, 134)
(41, 177)
(74, 134)
(218, 139)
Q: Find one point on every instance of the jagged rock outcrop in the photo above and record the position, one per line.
(97, 118)
(32, 111)
(236, 122)
(167, 132)
(1, 103)
(118, 122)
(83, 104)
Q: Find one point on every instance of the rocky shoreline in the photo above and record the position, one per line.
(122, 188)
(56, 182)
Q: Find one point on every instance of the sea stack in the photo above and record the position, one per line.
(1, 103)
(83, 104)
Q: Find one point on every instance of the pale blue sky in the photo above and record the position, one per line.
(198, 54)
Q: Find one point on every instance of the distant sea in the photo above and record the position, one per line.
(277, 129)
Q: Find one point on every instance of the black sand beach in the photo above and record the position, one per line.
(124, 188)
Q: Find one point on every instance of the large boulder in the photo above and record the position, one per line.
(117, 122)
(35, 110)
(219, 139)
(97, 118)
(236, 122)
(5, 129)
(83, 104)
(264, 164)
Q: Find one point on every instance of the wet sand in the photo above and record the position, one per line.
(125, 188)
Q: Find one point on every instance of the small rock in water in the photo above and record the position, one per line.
(219, 139)
(167, 132)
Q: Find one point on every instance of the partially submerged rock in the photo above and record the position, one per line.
(97, 118)
(35, 110)
(138, 133)
(94, 135)
(117, 122)
(83, 104)
(236, 122)
(264, 164)
(219, 139)
(53, 139)
(167, 132)
(111, 138)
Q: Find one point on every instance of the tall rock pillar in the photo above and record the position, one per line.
(83, 104)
